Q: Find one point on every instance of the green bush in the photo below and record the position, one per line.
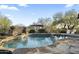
(32, 31)
(24, 30)
(54, 31)
(62, 30)
(42, 31)
(77, 31)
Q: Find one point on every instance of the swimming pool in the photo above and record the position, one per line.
(33, 41)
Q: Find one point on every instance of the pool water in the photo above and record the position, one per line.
(32, 42)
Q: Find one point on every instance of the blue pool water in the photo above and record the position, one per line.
(32, 42)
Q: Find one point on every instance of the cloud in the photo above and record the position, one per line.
(69, 5)
(13, 1)
(24, 5)
(8, 15)
(8, 7)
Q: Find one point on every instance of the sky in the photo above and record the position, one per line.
(26, 14)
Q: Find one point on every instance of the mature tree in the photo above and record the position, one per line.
(4, 22)
(46, 22)
(69, 19)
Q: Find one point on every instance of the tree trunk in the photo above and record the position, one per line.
(70, 29)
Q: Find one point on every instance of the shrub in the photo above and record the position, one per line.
(42, 31)
(32, 31)
(54, 31)
(62, 30)
(77, 30)
(24, 30)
